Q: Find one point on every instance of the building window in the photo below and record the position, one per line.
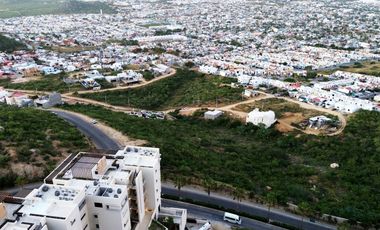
(95, 216)
(85, 227)
(83, 216)
(108, 207)
(97, 225)
(98, 205)
(82, 204)
(72, 222)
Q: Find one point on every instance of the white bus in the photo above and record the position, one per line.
(232, 218)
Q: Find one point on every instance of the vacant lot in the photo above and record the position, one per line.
(45, 83)
(288, 114)
(229, 153)
(14, 8)
(280, 107)
(32, 142)
(185, 88)
(369, 68)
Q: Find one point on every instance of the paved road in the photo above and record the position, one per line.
(250, 208)
(105, 142)
(100, 139)
(213, 215)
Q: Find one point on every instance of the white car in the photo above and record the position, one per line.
(94, 122)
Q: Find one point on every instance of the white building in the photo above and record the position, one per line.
(256, 117)
(212, 115)
(118, 191)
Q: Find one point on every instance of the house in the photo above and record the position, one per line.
(250, 93)
(47, 70)
(19, 99)
(267, 118)
(90, 83)
(3, 94)
(377, 98)
(48, 101)
(161, 69)
(128, 77)
(212, 115)
(94, 75)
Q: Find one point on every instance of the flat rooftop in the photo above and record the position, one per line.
(52, 201)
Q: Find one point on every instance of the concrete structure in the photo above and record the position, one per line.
(107, 190)
(48, 101)
(212, 115)
(256, 117)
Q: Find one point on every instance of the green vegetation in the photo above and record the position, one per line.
(155, 225)
(183, 89)
(13, 8)
(369, 68)
(261, 161)
(45, 83)
(148, 75)
(32, 142)
(334, 47)
(126, 42)
(166, 32)
(9, 44)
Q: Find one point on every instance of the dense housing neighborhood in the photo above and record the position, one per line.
(258, 108)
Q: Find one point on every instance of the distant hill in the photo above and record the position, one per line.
(9, 44)
(14, 8)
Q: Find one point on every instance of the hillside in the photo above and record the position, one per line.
(264, 163)
(13, 8)
(9, 45)
(185, 88)
(32, 142)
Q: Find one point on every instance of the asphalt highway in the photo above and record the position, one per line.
(100, 139)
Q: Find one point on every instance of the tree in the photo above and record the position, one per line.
(238, 194)
(305, 209)
(20, 181)
(208, 184)
(271, 199)
(179, 182)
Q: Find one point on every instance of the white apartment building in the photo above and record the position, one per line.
(118, 191)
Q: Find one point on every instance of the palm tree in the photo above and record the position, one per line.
(209, 185)
(305, 210)
(271, 200)
(179, 182)
(238, 194)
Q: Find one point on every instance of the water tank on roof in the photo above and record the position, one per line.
(45, 188)
(119, 191)
(115, 196)
(57, 193)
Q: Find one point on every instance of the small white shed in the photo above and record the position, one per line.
(212, 115)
